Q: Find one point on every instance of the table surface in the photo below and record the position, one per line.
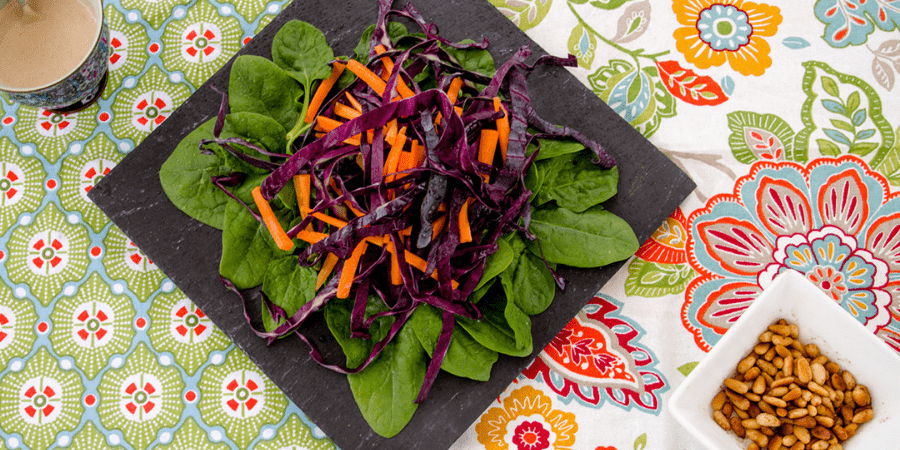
(784, 113)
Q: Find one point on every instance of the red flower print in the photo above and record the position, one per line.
(93, 324)
(151, 109)
(192, 321)
(141, 397)
(118, 49)
(92, 173)
(40, 400)
(201, 42)
(51, 124)
(243, 394)
(12, 183)
(531, 436)
(48, 253)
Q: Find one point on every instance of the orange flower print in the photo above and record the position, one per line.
(716, 31)
(527, 421)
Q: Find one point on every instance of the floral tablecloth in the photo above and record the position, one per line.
(784, 113)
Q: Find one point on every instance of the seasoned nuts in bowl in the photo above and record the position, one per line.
(786, 394)
(819, 348)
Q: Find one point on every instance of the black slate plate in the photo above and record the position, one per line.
(651, 187)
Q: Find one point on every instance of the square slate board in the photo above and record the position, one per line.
(650, 188)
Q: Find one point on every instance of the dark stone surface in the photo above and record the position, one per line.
(651, 187)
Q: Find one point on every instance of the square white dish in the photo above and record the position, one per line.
(822, 322)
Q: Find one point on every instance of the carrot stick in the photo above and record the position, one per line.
(390, 131)
(322, 91)
(334, 221)
(392, 161)
(348, 273)
(502, 127)
(396, 277)
(328, 124)
(353, 101)
(419, 263)
(465, 230)
(265, 210)
(418, 152)
(302, 186)
(327, 267)
(453, 90)
(310, 236)
(386, 63)
(487, 146)
(368, 77)
(437, 226)
(347, 112)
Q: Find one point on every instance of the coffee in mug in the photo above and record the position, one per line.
(53, 53)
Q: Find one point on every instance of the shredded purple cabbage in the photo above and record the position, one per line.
(347, 178)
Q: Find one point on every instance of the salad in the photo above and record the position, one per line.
(409, 192)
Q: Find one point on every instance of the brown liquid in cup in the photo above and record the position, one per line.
(40, 48)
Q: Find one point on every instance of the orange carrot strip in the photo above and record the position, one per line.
(487, 146)
(322, 91)
(392, 161)
(367, 76)
(347, 112)
(407, 161)
(390, 131)
(437, 226)
(353, 101)
(419, 263)
(302, 186)
(465, 230)
(386, 63)
(502, 127)
(328, 124)
(334, 221)
(418, 152)
(396, 277)
(327, 267)
(265, 210)
(311, 236)
(453, 90)
(348, 273)
(387, 67)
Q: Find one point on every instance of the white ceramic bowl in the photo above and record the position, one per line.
(822, 322)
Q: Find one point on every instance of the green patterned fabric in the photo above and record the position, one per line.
(98, 349)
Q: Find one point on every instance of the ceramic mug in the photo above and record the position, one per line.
(81, 86)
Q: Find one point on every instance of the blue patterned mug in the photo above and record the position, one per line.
(81, 85)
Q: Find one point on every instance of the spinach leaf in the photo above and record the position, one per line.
(185, 178)
(258, 129)
(505, 328)
(303, 52)
(474, 59)
(465, 357)
(593, 238)
(529, 284)
(496, 263)
(258, 85)
(575, 183)
(247, 248)
(551, 148)
(534, 179)
(337, 317)
(288, 284)
(386, 390)
(395, 31)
